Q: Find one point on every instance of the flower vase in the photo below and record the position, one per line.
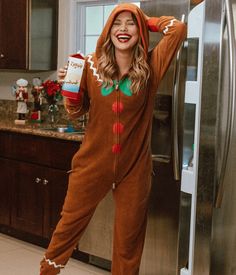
(52, 93)
(53, 113)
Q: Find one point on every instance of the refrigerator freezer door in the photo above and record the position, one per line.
(230, 59)
(223, 259)
(162, 119)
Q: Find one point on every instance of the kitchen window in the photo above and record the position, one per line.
(90, 20)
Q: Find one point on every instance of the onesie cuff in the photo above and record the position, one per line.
(152, 24)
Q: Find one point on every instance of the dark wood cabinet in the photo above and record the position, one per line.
(27, 198)
(5, 191)
(34, 181)
(13, 35)
(38, 198)
(28, 34)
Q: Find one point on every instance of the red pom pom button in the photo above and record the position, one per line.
(118, 128)
(117, 107)
(116, 148)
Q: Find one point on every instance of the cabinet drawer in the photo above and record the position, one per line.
(49, 152)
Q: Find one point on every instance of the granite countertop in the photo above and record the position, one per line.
(39, 130)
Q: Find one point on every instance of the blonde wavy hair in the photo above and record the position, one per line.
(139, 71)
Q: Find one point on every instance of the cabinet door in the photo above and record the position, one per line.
(38, 197)
(5, 191)
(57, 182)
(27, 198)
(13, 29)
(28, 34)
(43, 35)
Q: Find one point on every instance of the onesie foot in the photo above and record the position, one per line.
(49, 267)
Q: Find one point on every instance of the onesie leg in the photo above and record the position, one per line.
(131, 199)
(80, 203)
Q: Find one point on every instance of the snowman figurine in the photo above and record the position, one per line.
(22, 99)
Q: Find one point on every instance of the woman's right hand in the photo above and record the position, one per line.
(61, 74)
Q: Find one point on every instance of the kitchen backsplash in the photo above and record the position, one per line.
(8, 112)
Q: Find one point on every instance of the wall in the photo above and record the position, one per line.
(65, 46)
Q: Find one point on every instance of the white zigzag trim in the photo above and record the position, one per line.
(53, 263)
(169, 25)
(93, 68)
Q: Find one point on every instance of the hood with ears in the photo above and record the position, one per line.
(139, 15)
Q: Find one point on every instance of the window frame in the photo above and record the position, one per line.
(81, 20)
(77, 20)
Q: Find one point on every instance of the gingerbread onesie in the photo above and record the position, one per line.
(115, 153)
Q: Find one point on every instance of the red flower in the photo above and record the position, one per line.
(52, 90)
(51, 87)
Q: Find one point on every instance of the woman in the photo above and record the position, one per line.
(118, 88)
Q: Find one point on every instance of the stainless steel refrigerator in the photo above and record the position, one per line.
(192, 221)
(208, 196)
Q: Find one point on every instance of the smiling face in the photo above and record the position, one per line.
(124, 32)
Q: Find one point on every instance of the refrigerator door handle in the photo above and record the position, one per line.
(175, 116)
(231, 109)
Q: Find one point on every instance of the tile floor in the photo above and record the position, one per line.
(21, 258)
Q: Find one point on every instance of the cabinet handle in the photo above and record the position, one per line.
(45, 182)
(1, 55)
(37, 180)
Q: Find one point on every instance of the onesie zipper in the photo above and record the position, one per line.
(117, 135)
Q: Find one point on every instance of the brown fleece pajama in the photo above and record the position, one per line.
(115, 151)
